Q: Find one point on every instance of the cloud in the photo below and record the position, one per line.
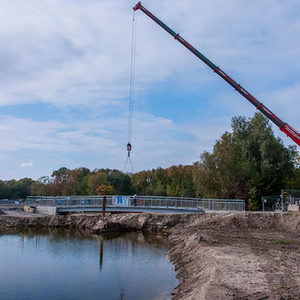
(102, 142)
(78, 52)
(75, 56)
(26, 164)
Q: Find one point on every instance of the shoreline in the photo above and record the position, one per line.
(239, 255)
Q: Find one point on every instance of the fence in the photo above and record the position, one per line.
(281, 202)
(271, 203)
(9, 202)
(142, 201)
(291, 196)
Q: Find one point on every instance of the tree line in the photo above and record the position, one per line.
(245, 163)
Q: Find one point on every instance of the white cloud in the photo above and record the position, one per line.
(156, 141)
(77, 53)
(26, 164)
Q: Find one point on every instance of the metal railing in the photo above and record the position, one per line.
(141, 201)
(281, 202)
(9, 202)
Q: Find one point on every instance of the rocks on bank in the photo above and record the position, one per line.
(96, 223)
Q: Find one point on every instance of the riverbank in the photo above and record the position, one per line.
(216, 256)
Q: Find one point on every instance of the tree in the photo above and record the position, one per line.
(42, 187)
(105, 190)
(174, 181)
(294, 183)
(121, 182)
(180, 181)
(142, 182)
(24, 187)
(76, 182)
(3, 190)
(59, 179)
(13, 189)
(247, 163)
(94, 181)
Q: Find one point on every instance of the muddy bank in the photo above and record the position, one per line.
(216, 256)
(162, 223)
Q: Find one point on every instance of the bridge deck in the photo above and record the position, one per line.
(136, 203)
(141, 209)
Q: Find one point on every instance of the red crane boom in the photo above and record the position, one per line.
(286, 128)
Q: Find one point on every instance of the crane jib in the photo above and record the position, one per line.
(284, 127)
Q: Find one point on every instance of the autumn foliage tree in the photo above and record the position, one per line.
(105, 190)
(246, 163)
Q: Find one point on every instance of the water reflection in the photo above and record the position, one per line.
(66, 264)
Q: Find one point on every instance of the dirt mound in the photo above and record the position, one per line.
(238, 256)
(243, 221)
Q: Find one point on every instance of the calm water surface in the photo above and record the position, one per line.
(76, 265)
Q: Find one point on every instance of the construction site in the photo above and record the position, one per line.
(232, 219)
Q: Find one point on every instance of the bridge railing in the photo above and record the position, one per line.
(141, 201)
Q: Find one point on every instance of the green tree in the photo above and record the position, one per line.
(59, 180)
(104, 189)
(294, 183)
(76, 182)
(16, 189)
(3, 190)
(121, 182)
(42, 187)
(94, 181)
(142, 182)
(24, 187)
(247, 163)
(180, 181)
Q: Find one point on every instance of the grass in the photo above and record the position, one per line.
(286, 242)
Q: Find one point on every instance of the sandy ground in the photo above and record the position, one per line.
(238, 256)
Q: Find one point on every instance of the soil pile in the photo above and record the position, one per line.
(238, 256)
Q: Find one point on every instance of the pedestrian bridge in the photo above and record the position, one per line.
(131, 204)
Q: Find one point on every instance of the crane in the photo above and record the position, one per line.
(286, 128)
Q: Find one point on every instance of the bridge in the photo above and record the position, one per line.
(131, 204)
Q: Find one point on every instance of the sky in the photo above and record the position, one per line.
(65, 70)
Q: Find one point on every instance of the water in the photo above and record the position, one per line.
(76, 265)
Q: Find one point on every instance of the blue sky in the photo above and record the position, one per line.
(64, 81)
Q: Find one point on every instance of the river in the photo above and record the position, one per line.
(77, 265)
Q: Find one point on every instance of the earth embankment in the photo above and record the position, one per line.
(238, 256)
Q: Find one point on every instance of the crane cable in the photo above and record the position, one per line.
(131, 92)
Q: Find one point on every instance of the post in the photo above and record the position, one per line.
(282, 200)
(103, 206)
(263, 203)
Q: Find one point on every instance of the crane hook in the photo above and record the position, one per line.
(129, 149)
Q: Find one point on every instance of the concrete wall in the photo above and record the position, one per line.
(46, 210)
